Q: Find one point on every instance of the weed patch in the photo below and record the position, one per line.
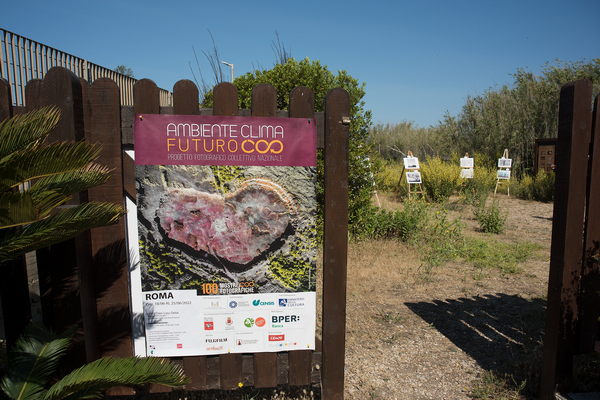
(491, 220)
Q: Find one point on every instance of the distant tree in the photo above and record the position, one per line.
(394, 141)
(125, 70)
(513, 116)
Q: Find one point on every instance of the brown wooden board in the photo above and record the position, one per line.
(34, 93)
(567, 235)
(302, 105)
(146, 101)
(590, 277)
(335, 242)
(108, 243)
(185, 98)
(225, 97)
(264, 104)
(185, 102)
(63, 89)
(5, 100)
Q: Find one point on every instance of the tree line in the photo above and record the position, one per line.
(511, 116)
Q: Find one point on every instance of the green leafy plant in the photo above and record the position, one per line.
(36, 179)
(491, 220)
(539, 187)
(445, 238)
(34, 361)
(374, 223)
(440, 179)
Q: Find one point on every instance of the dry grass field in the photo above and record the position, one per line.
(416, 331)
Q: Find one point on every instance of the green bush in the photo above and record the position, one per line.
(491, 220)
(475, 191)
(388, 176)
(374, 223)
(440, 179)
(444, 237)
(540, 187)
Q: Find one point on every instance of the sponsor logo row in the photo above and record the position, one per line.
(281, 302)
(218, 322)
(229, 344)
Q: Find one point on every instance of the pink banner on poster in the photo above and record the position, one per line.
(215, 140)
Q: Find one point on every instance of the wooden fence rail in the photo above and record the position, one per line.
(574, 280)
(85, 281)
(23, 59)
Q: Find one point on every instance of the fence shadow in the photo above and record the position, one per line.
(498, 331)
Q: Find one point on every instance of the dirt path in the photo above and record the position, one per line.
(415, 332)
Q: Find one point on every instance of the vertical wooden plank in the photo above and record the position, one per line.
(145, 97)
(195, 369)
(225, 98)
(574, 126)
(264, 104)
(302, 105)
(264, 101)
(145, 101)
(590, 275)
(62, 88)
(5, 100)
(212, 372)
(335, 243)
(283, 368)
(108, 243)
(34, 94)
(185, 102)
(185, 98)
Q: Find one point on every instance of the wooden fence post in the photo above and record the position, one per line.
(5, 100)
(146, 101)
(335, 242)
(186, 102)
(567, 234)
(110, 273)
(225, 97)
(264, 104)
(302, 105)
(590, 276)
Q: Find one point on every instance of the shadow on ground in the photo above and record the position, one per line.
(500, 332)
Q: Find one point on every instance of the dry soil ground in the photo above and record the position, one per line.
(415, 332)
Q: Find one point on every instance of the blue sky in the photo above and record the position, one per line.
(419, 59)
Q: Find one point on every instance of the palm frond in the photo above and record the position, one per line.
(32, 362)
(16, 208)
(92, 379)
(21, 208)
(73, 181)
(64, 225)
(25, 131)
(44, 161)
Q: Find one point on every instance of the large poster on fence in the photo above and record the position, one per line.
(226, 211)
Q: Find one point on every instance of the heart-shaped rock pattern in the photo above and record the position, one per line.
(238, 226)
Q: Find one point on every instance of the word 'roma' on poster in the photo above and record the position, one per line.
(226, 211)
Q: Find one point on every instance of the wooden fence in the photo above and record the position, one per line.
(574, 281)
(23, 59)
(85, 281)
